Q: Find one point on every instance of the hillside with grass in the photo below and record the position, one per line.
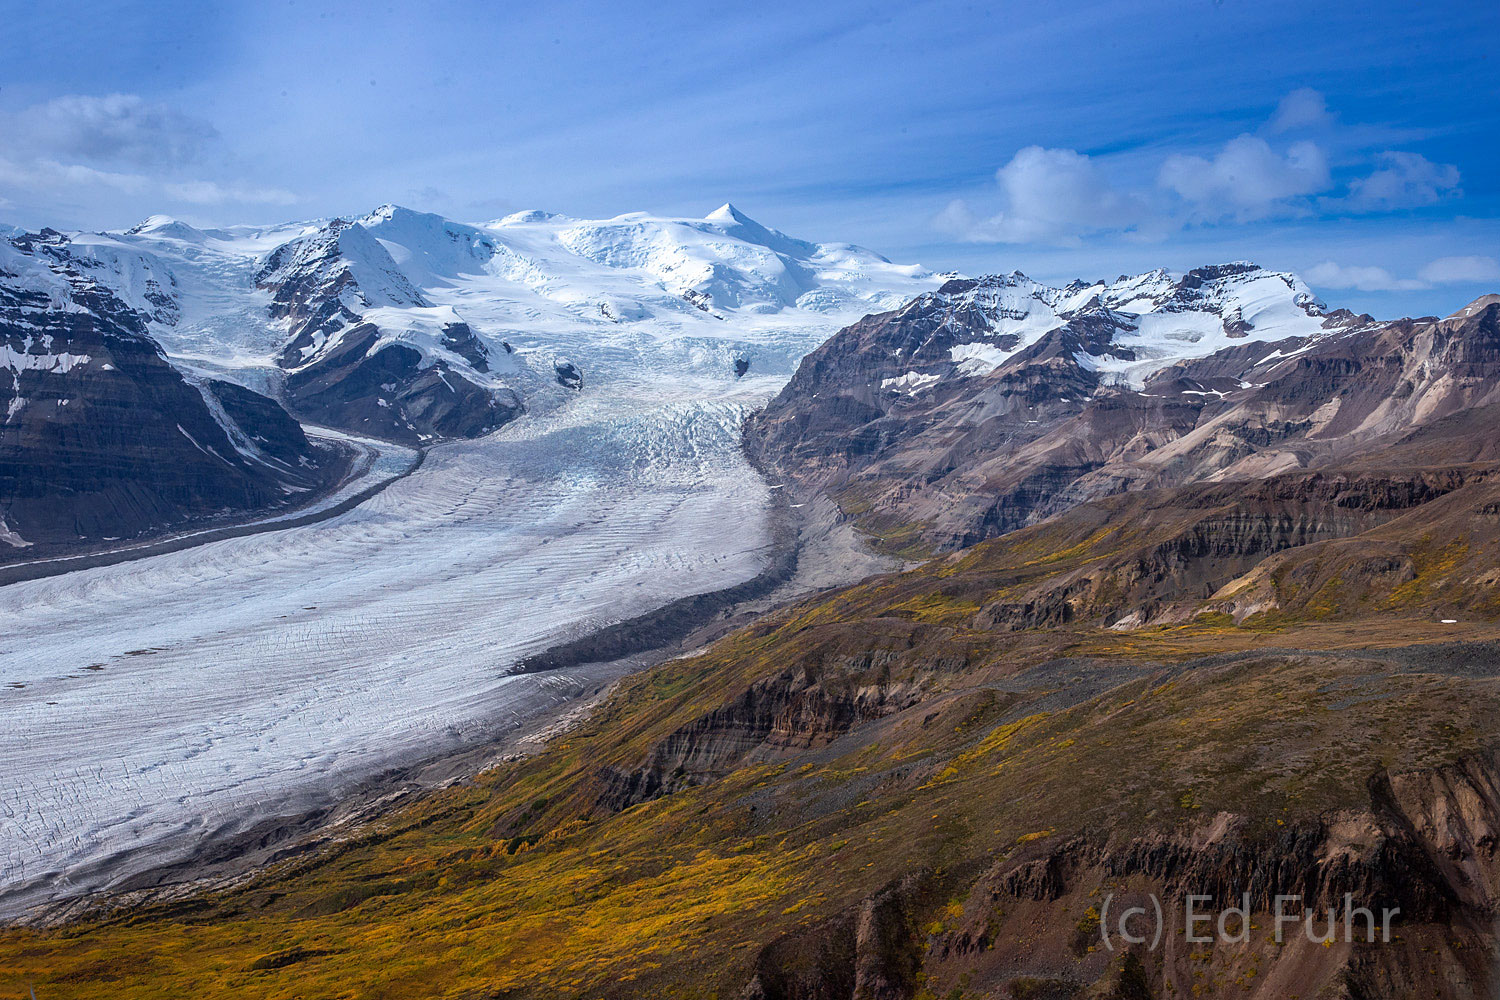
(925, 785)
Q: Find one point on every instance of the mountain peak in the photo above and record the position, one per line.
(732, 222)
(727, 213)
(526, 215)
(391, 212)
(1476, 307)
(167, 227)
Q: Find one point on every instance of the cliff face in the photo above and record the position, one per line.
(1416, 850)
(775, 718)
(1161, 556)
(873, 950)
(103, 439)
(1419, 857)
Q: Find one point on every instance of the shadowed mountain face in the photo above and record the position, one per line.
(103, 439)
(989, 405)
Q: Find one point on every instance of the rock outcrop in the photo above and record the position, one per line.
(870, 952)
(775, 717)
(1420, 859)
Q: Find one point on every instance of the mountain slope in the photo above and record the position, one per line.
(367, 352)
(103, 439)
(989, 405)
(1252, 652)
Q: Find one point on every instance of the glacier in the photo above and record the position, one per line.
(154, 705)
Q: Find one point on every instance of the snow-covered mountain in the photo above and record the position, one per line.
(1127, 329)
(368, 351)
(410, 326)
(100, 436)
(990, 403)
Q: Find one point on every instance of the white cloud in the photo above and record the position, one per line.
(1472, 270)
(119, 144)
(112, 129)
(52, 179)
(1247, 179)
(1407, 180)
(1303, 109)
(1059, 196)
(213, 193)
(1048, 196)
(1462, 270)
(49, 175)
(1366, 279)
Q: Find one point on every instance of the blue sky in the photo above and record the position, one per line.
(1355, 144)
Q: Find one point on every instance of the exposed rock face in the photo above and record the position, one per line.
(103, 439)
(775, 716)
(568, 375)
(989, 405)
(386, 391)
(1160, 554)
(1423, 849)
(368, 353)
(872, 952)
(1420, 859)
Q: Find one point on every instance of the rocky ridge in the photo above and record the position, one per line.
(989, 405)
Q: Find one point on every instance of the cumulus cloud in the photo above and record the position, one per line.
(1462, 270)
(1059, 196)
(1048, 196)
(1405, 180)
(112, 146)
(113, 129)
(1247, 179)
(1302, 110)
